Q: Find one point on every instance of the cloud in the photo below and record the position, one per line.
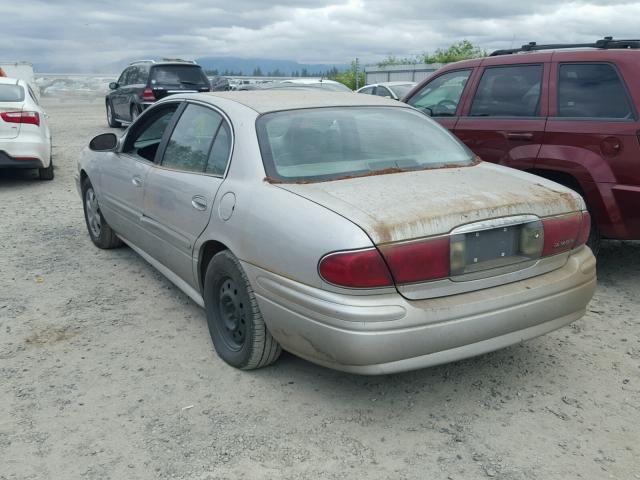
(95, 33)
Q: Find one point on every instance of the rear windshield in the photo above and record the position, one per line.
(401, 90)
(178, 75)
(331, 143)
(11, 93)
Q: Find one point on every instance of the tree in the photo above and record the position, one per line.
(461, 50)
(257, 72)
(347, 77)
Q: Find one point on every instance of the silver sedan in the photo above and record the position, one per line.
(350, 230)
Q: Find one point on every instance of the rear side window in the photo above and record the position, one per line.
(220, 150)
(508, 92)
(11, 93)
(440, 97)
(593, 91)
(190, 143)
(178, 75)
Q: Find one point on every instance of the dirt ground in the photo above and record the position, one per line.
(107, 372)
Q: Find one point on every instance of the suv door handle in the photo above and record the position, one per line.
(520, 135)
(199, 203)
(137, 181)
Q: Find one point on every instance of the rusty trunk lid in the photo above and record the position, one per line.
(409, 205)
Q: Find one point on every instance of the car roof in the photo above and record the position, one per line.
(9, 81)
(263, 101)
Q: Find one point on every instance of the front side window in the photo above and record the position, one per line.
(190, 143)
(367, 91)
(440, 97)
(508, 92)
(337, 142)
(383, 92)
(145, 139)
(592, 90)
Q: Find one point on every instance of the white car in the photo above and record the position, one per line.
(395, 90)
(25, 138)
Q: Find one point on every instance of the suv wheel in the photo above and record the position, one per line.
(135, 113)
(111, 119)
(47, 172)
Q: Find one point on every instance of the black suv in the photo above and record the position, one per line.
(145, 81)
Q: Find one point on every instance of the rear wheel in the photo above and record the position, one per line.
(237, 328)
(111, 119)
(99, 230)
(135, 113)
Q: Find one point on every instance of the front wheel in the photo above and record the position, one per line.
(236, 326)
(111, 118)
(99, 230)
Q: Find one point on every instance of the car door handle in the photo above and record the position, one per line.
(520, 136)
(199, 203)
(137, 181)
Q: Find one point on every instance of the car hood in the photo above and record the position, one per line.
(408, 205)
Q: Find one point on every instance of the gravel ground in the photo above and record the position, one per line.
(108, 372)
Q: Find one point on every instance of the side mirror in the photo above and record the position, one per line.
(105, 142)
(113, 85)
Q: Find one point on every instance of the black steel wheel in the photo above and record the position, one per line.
(236, 326)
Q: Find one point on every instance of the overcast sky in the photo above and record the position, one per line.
(100, 32)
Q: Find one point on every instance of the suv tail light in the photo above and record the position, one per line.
(418, 261)
(32, 118)
(148, 95)
(355, 269)
(562, 234)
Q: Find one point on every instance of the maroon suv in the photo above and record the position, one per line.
(565, 112)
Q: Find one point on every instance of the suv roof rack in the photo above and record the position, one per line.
(142, 61)
(605, 43)
(178, 60)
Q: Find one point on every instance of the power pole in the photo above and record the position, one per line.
(357, 74)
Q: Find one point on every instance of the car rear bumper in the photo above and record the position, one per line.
(379, 334)
(22, 161)
(25, 151)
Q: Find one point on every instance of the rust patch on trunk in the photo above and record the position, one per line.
(385, 171)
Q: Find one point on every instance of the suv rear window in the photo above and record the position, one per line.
(508, 92)
(592, 90)
(11, 93)
(178, 75)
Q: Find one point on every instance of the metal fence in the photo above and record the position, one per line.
(398, 73)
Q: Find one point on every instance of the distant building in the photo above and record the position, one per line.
(395, 73)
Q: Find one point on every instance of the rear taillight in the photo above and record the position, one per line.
(418, 261)
(148, 95)
(32, 118)
(585, 229)
(355, 269)
(562, 234)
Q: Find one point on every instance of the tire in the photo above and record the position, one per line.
(99, 230)
(236, 326)
(111, 117)
(134, 113)
(595, 238)
(47, 172)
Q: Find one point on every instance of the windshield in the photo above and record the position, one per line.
(11, 93)
(332, 143)
(401, 90)
(178, 75)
